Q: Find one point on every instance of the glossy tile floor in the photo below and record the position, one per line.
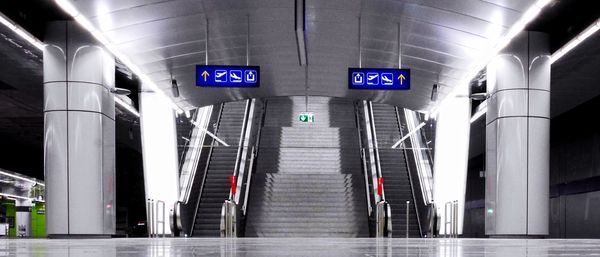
(296, 247)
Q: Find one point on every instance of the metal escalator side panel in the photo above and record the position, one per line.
(203, 180)
(395, 172)
(215, 188)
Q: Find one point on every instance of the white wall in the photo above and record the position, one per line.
(451, 155)
(159, 148)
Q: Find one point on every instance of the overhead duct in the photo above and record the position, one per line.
(174, 88)
(434, 93)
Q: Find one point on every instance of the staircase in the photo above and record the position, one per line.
(308, 180)
(220, 167)
(394, 171)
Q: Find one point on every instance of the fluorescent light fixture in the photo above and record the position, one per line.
(21, 178)
(478, 114)
(70, 9)
(86, 24)
(16, 196)
(487, 55)
(199, 126)
(127, 106)
(589, 31)
(19, 31)
(408, 135)
(481, 110)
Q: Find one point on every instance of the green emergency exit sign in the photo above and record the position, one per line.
(306, 117)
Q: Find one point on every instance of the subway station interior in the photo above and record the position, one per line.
(299, 128)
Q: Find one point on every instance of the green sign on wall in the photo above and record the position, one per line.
(306, 117)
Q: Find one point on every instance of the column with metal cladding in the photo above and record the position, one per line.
(79, 134)
(518, 138)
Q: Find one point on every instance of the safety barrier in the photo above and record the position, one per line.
(451, 219)
(153, 210)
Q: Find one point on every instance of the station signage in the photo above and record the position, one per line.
(227, 76)
(378, 79)
(308, 117)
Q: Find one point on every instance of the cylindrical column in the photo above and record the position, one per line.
(23, 218)
(79, 134)
(518, 136)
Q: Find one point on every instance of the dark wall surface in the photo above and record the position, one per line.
(131, 199)
(575, 173)
(474, 222)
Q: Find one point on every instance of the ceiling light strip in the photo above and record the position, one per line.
(70, 9)
(40, 45)
(21, 178)
(478, 114)
(589, 31)
(17, 197)
(486, 56)
(127, 106)
(21, 32)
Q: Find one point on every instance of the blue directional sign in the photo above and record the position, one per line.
(379, 79)
(227, 76)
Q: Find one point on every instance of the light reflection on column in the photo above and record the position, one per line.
(384, 247)
(450, 248)
(228, 247)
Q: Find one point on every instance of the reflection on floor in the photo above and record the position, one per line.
(297, 247)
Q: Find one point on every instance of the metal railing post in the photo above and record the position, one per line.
(407, 217)
(455, 218)
(448, 219)
(451, 219)
(383, 222)
(160, 205)
(149, 213)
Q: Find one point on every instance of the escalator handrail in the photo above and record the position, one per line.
(212, 146)
(185, 190)
(363, 159)
(248, 181)
(242, 152)
(254, 155)
(187, 143)
(412, 188)
(366, 175)
(372, 147)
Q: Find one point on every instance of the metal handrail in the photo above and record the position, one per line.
(372, 160)
(194, 159)
(187, 143)
(212, 146)
(248, 181)
(412, 188)
(427, 149)
(241, 142)
(364, 161)
(451, 220)
(366, 175)
(244, 144)
(375, 143)
(254, 155)
(424, 175)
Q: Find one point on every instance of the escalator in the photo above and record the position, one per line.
(308, 180)
(394, 170)
(220, 166)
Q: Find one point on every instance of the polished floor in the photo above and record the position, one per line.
(296, 247)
